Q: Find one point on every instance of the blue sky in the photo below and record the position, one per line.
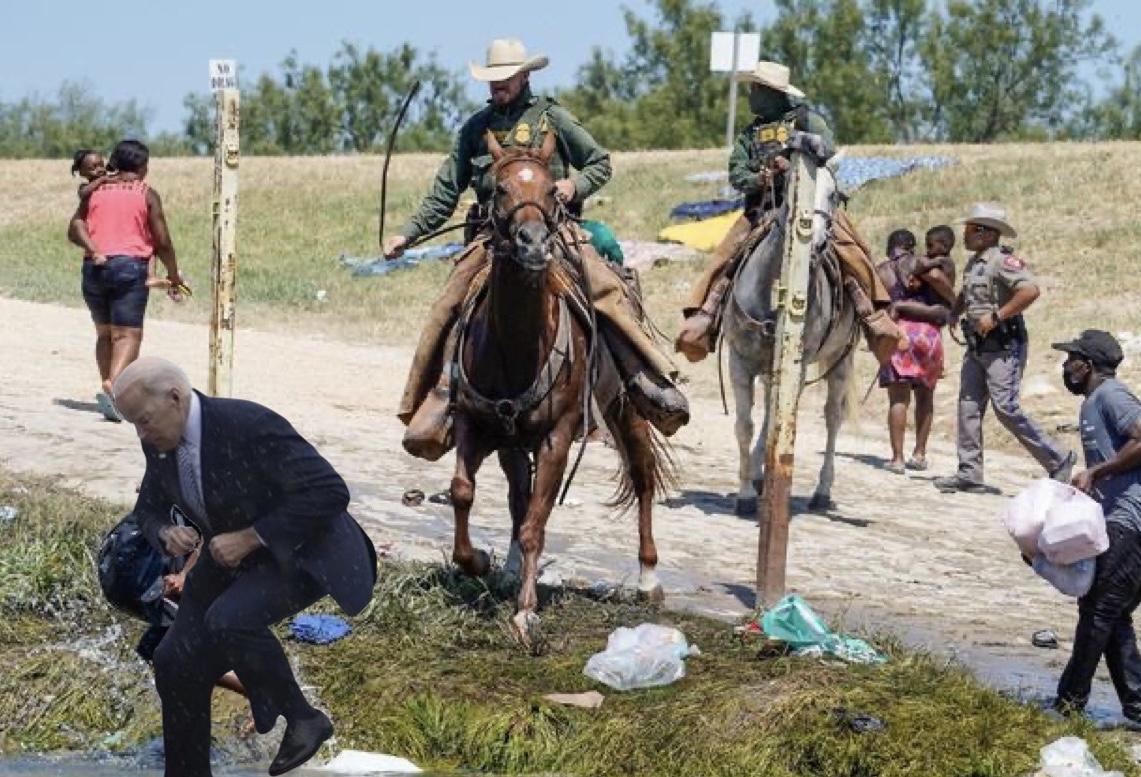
(50, 41)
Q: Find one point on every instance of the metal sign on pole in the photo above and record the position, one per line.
(223, 267)
(733, 53)
(790, 301)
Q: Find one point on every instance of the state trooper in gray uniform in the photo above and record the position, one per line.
(997, 288)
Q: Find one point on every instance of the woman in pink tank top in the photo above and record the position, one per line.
(120, 225)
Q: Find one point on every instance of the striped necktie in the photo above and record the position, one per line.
(189, 480)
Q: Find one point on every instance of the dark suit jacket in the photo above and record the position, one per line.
(257, 471)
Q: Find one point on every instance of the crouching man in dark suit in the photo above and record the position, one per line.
(270, 513)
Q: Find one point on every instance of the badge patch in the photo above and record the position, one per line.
(1012, 262)
(766, 134)
(544, 124)
(782, 134)
(523, 134)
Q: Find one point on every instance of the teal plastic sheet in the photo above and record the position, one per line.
(793, 622)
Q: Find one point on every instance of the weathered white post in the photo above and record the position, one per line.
(790, 301)
(223, 267)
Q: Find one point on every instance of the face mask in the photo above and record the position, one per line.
(1074, 381)
(767, 103)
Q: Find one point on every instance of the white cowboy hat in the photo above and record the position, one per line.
(988, 214)
(505, 58)
(773, 75)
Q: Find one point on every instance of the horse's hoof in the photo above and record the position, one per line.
(477, 565)
(747, 508)
(654, 595)
(528, 631)
(821, 503)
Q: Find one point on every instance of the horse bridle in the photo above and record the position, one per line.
(503, 222)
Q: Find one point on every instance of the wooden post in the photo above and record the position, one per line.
(790, 301)
(223, 268)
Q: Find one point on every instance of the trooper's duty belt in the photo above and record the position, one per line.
(1003, 337)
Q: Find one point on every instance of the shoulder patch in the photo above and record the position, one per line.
(1012, 262)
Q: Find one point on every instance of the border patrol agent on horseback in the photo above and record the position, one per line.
(997, 289)
(517, 117)
(757, 168)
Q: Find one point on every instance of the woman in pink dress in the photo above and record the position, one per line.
(921, 313)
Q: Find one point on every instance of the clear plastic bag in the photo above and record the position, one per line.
(643, 657)
(1071, 579)
(1070, 757)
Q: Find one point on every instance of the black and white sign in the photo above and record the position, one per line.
(223, 74)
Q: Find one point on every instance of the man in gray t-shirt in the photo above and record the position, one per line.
(1111, 436)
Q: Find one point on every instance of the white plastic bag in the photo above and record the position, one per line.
(1071, 579)
(1074, 529)
(642, 657)
(1025, 513)
(1070, 757)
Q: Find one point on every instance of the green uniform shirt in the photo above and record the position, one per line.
(990, 280)
(524, 123)
(765, 138)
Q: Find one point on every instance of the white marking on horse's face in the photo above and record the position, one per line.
(526, 174)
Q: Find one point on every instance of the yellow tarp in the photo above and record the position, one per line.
(703, 235)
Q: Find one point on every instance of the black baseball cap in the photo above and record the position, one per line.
(1097, 346)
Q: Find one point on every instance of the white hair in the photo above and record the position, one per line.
(153, 375)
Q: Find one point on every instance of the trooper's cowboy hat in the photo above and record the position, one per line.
(987, 214)
(505, 58)
(773, 75)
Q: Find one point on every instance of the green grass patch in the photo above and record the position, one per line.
(431, 673)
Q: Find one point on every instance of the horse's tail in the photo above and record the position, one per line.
(661, 474)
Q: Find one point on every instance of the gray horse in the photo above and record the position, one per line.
(830, 335)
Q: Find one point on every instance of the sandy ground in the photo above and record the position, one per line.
(896, 554)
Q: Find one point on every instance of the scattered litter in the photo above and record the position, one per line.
(319, 629)
(1069, 426)
(1044, 639)
(357, 762)
(441, 498)
(711, 176)
(385, 549)
(590, 700)
(413, 497)
(643, 657)
(860, 724)
(572, 503)
(19, 491)
(793, 622)
(644, 254)
(706, 208)
(1070, 757)
(322, 295)
(8, 513)
(550, 578)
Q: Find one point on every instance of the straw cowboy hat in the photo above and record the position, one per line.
(505, 58)
(989, 215)
(773, 75)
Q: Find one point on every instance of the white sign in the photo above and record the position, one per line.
(721, 51)
(223, 74)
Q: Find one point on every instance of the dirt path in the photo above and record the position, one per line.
(898, 555)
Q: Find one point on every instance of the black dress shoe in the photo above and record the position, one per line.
(303, 738)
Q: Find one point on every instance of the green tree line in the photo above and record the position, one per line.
(881, 71)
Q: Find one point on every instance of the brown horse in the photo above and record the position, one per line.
(523, 360)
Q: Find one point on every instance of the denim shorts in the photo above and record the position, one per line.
(117, 292)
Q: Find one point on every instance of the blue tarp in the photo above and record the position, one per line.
(851, 174)
(319, 629)
(378, 265)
